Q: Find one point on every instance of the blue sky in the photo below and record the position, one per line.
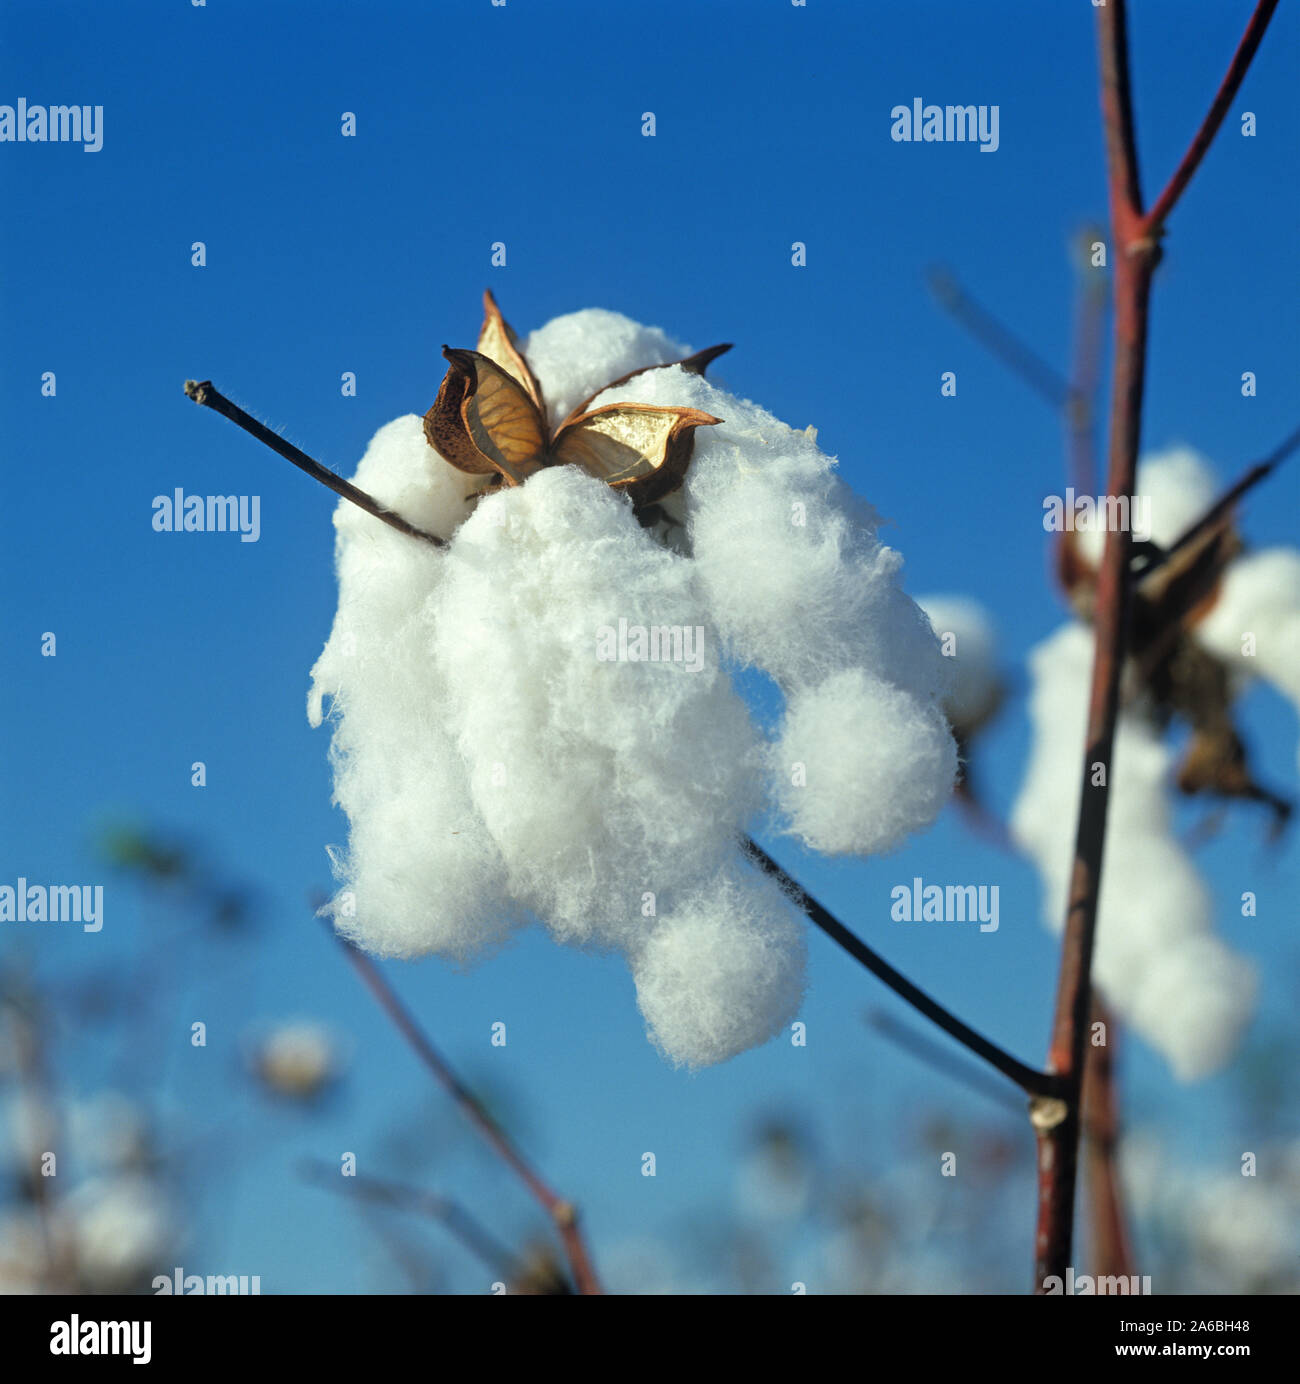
(326, 254)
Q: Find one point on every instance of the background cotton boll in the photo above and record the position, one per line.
(877, 764)
(122, 1228)
(1194, 1004)
(577, 354)
(598, 779)
(723, 972)
(1260, 596)
(298, 1059)
(1179, 486)
(975, 689)
(1156, 958)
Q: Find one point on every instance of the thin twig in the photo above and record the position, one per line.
(1251, 478)
(207, 394)
(451, 1214)
(1155, 219)
(940, 1059)
(1029, 1079)
(1044, 379)
(563, 1213)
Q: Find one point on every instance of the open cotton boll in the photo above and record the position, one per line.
(975, 689)
(421, 873)
(1176, 487)
(599, 777)
(575, 355)
(723, 972)
(861, 764)
(1154, 907)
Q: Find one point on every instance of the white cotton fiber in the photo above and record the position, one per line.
(504, 748)
(861, 764)
(575, 355)
(1154, 914)
(421, 872)
(722, 972)
(1193, 1003)
(1254, 626)
(967, 638)
(1177, 486)
(600, 779)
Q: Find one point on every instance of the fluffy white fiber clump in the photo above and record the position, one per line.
(1254, 626)
(495, 767)
(1157, 959)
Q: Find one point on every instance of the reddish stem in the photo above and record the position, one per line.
(563, 1213)
(1135, 242)
(1202, 139)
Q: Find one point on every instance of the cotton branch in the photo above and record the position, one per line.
(207, 394)
(563, 1213)
(1135, 241)
(1033, 1082)
(1154, 220)
(458, 1222)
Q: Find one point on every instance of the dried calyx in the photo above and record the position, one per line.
(490, 419)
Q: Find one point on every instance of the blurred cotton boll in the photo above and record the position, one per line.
(1156, 957)
(121, 1230)
(1254, 626)
(976, 689)
(501, 756)
(299, 1060)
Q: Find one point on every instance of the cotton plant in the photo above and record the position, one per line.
(537, 719)
(1158, 959)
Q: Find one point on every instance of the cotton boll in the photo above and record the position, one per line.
(598, 778)
(723, 972)
(1194, 1004)
(861, 764)
(122, 1228)
(575, 355)
(1156, 958)
(1177, 485)
(298, 1059)
(975, 690)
